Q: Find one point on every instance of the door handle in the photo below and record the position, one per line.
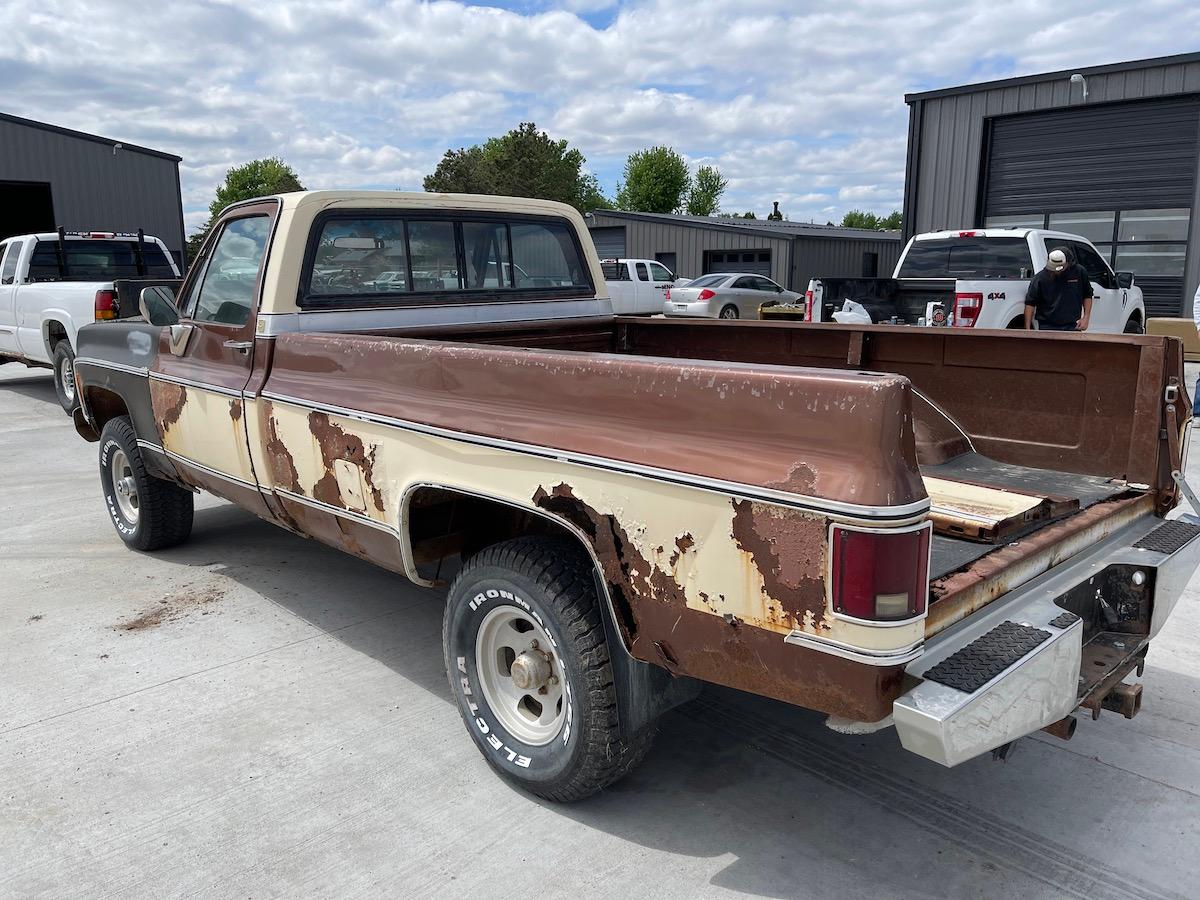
(239, 346)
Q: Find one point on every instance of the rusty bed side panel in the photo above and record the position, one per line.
(1087, 404)
(780, 428)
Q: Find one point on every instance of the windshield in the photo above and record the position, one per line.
(979, 257)
(707, 281)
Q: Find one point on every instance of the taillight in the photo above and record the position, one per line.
(967, 308)
(880, 575)
(106, 305)
(668, 293)
(705, 294)
(966, 234)
(808, 306)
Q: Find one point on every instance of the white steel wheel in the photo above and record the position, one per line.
(520, 676)
(125, 486)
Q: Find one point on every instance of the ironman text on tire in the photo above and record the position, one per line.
(529, 668)
(148, 513)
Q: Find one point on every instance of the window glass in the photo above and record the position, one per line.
(748, 257)
(434, 256)
(485, 245)
(1092, 263)
(98, 260)
(10, 262)
(226, 293)
(642, 273)
(1026, 220)
(1095, 226)
(1105, 250)
(360, 256)
(996, 257)
(545, 255)
(1154, 225)
(707, 281)
(660, 273)
(765, 284)
(746, 282)
(1151, 259)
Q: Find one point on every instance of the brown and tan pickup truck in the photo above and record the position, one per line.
(960, 535)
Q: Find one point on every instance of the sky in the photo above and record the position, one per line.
(794, 101)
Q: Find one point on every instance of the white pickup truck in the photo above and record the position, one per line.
(978, 278)
(52, 284)
(636, 286)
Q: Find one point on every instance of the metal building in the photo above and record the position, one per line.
(790, 253)
(1110, 152)
(51, 176)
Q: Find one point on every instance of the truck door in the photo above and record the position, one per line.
(1108, 306)
(197, 379)
(643, 296)
(9, 254)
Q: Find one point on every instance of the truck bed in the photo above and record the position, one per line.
(1068, 421)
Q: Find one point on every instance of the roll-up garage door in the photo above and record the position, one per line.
(609, 241)
(1111, 156)
(757, 262)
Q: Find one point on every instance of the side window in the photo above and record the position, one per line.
(224, 292)
(10, 262)
(1096, 268)
(642, 273)
(660, 272)
(434, 256)
(746, 282)
(485, 246)
(766, 284)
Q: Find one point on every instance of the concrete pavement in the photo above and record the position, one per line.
(254, 715)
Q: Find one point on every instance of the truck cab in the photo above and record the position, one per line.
(975, 278)
(637, 286)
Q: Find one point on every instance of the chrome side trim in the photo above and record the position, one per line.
(115, 366)
(224, 476)
(910, 512)
(150, 445)
(899, 657)
(198, 385)
(350, 320)
(337, 511)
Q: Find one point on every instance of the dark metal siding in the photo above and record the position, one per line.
(840, 257)
(946, 154)
(1114, 156)
(95, 188)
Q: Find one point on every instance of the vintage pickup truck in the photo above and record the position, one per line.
(960, 535)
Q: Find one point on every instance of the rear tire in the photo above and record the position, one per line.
(1016, 325)
(148, 513)
(729, 312)
(1134, 326)
(526, 611)
(64, 376)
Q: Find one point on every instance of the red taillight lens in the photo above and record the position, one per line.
(705, 294)
(106, 305)
(880, 576)
(967, 308)
(668, 293)
(808, 306)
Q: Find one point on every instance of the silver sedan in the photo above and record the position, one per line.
(728, 295)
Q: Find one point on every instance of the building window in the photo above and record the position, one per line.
(1152, 241)
(1024, 221)
(1097, 227)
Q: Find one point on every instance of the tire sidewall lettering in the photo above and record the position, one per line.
(110, 502)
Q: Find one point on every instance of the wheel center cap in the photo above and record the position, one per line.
(530, 670)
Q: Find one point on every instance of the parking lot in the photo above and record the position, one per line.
(253, 714)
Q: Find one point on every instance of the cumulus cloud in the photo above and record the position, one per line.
(800, 103)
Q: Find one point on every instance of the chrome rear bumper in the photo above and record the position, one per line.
(951, 724)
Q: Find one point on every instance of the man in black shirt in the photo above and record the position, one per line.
(1060, 295)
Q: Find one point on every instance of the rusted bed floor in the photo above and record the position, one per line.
(950, 554)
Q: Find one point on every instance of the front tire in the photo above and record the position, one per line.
(729, 312)
(148, 513)
(1134, 326)
(529, 667)
(64, 376)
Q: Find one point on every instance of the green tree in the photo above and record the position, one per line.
(745, 215)
(857, 218)
(524, 162)
(655, 180)
(704, 198)
(257, 178)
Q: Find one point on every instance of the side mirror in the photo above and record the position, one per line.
(157, 306)
(1125, 279)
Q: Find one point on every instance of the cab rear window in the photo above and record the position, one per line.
(381, 259)
(97, 260)
(979, 257)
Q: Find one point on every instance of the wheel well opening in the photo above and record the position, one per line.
(445, 525)
(55, 332)
(104, 405)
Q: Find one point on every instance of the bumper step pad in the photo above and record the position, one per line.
(1168, 537)
(984, 658)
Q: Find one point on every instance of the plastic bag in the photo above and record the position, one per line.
(852, 313)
